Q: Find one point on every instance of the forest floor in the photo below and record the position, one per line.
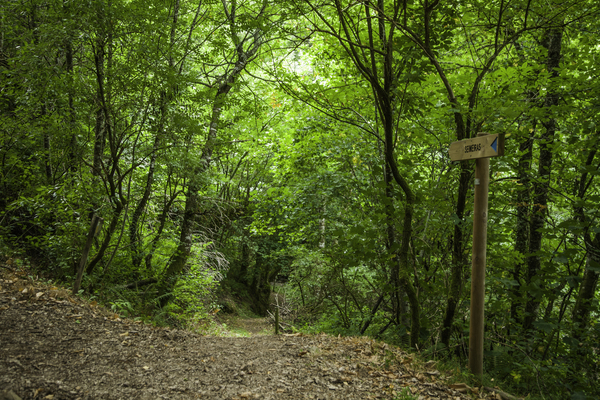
(57, 346)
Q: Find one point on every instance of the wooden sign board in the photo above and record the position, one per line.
(478, 147)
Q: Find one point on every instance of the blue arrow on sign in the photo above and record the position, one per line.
(495, 145)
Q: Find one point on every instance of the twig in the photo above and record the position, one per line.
(503, 395)
(141, 283)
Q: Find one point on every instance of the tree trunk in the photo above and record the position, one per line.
(244, 262)
(178, 261)
(100, 126)
(192, 202)
(403, 253)
(588, 286)
(47, 152)
(71, 112)
(458, 254)
(522, 228)
(161, 225)
(259, 287)
(112, 226)
(391, 241)
(164, 97)
(542, 183)
(134, 234)
(363, 329)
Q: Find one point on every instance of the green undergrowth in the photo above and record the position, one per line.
(193, 304)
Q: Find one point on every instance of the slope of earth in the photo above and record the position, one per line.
(55, 346)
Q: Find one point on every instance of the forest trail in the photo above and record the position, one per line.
(243, 326)
(55, 346)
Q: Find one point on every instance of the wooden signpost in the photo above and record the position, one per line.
(480, 149)
(482, 146)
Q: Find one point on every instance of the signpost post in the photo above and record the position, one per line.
(480, 149)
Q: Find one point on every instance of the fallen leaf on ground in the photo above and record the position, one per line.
(461, 387)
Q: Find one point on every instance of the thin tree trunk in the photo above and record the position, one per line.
(391, 240)
(71, 118)
(587, 288)
(458, 254)
(403, 253)
(105, 131)
(112, 226)
(371, 314)
(100, 126)
(164, 99)
(161, 225)
(589, 283)
(542, 184)
(47, 153)
(522, 228)
(245, 262)
(134, 234)
(192, 201)
(178, 261)
(523, 207)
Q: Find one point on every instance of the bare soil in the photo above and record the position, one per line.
(56, 346)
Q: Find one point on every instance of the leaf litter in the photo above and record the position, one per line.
(56, 346)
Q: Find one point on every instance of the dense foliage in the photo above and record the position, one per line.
(230, 145)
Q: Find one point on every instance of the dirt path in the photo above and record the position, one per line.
(239, 326)
(53, 346)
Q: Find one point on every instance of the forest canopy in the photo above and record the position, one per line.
(234, 147)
